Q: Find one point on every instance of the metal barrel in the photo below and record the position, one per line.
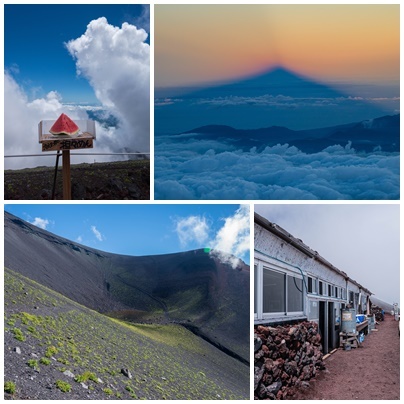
(348, 320)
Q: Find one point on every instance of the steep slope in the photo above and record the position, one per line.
(192, 288)
(52, 344)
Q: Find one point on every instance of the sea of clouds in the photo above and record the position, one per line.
(207, 169)
(116, 62)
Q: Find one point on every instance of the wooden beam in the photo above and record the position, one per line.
(67, 186)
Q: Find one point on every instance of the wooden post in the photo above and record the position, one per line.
(67, 187)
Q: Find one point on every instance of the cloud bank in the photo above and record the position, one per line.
(116, 61)
(199, 169)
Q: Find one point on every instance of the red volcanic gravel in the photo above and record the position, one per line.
(371, 372)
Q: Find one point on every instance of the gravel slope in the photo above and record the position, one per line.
(47, 336)
(122, 180)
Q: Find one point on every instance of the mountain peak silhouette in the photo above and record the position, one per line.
(277, 96)
(277, 81)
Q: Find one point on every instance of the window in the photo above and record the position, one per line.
(336, 292)
(274, 292)
(329, 290)
(282, 293)
(311, 285)
(320, 288)
(295, 294)
(351, 297)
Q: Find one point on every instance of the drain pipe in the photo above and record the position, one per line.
(284, 262)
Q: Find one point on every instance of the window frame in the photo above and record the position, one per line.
(262, 264)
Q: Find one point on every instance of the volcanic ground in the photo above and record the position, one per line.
(178, 322)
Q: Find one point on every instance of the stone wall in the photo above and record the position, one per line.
(286, 358)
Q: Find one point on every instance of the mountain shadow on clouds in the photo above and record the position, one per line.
(277, 97)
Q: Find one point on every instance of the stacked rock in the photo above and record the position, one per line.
(286, 357)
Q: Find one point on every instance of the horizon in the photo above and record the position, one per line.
(163, 229)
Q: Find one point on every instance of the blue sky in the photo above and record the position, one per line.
(144, 229)
(34, 50)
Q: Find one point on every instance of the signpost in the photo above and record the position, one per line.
(82, 140)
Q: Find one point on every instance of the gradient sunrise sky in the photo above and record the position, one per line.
(196, 44)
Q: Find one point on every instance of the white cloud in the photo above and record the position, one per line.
(21, 119)
(233, 239)
(192, 229)
(39, 222)
(116, 63)
(79, 239)
(97, 234)
(198, 169)
(228, 244)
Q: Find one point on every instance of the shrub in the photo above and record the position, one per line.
(108, 391)
(63, 386)
(9, 387)
(45, 361)
(64, 361)
(18, 334)
(86, 376)
(52, 350)
(32, 363)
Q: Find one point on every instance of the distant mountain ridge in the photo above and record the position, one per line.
(380, 133)
(194, 288)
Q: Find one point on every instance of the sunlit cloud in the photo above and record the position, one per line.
(192, 229)
(116, 62)
(233, 239)
(228, 244)
(41, 223)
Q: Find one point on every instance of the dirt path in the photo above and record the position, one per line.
(371, 372)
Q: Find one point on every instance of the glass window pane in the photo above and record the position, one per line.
(274, 291)
(295, 294)
(313, 310)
